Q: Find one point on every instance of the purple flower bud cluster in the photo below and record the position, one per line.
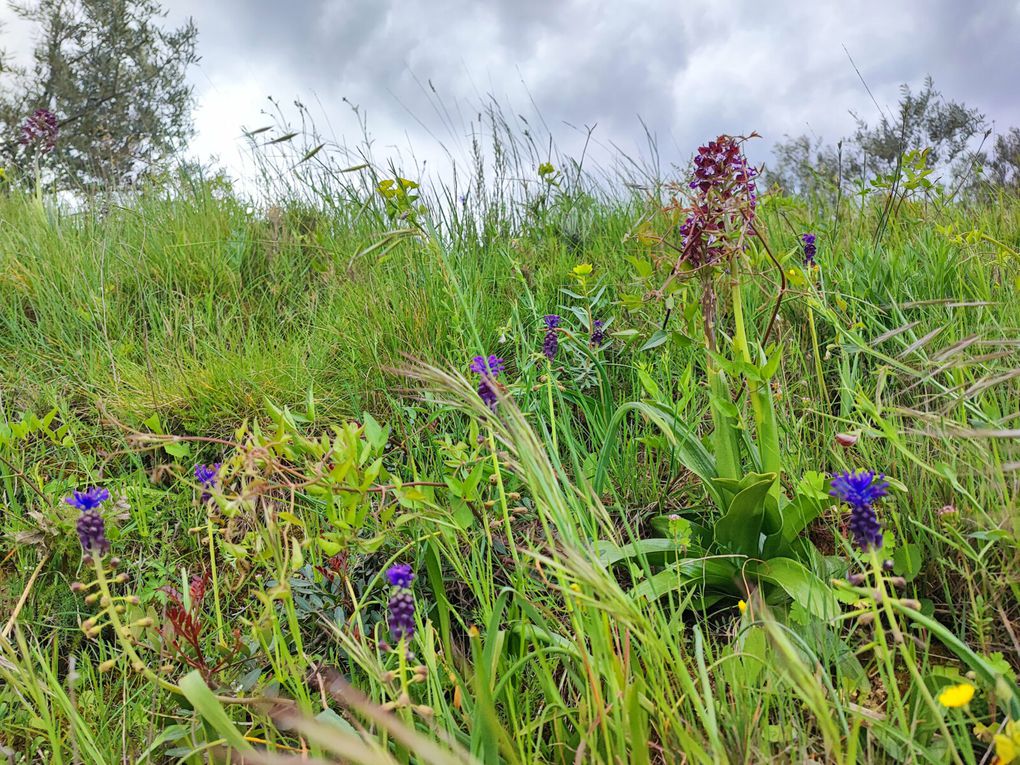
(598, 334)
(207, 476)
(40, 130)
(90, 527)
(808, 245)
(488, 369)
(401, 604)
(861, 490)
(720, 167)
(551, 344)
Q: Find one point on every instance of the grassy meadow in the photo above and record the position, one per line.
(633, 557)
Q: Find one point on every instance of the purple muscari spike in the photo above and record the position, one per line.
(88, 500)
(808, 241)
(487, 393)
(400, 575)
(598, 335)
(401, 616)
(207, 474)
(861, 490)
(92, 532)
(401, 603)
(551, 344)
(490, 366)
(488, 370)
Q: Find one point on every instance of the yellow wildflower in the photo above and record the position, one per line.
(1007, 743)
(742, 606)
(956, 695)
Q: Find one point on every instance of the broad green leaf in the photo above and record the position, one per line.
(799, 583)
(740, 529)
(211, 710)
(659, 550)
(658, 337)
(907, 560)
(706, 572)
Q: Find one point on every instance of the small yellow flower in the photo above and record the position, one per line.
(1007, 743)
(575, 587)
(957, 695)
(741, 606)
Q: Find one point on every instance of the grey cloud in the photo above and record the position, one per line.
(690, 70)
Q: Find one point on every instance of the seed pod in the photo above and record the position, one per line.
(846, 440)
(107, 665)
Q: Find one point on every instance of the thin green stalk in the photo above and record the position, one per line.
(820, 376)
(507, 527)
(761, 402)
(922, 688)
(215, 577)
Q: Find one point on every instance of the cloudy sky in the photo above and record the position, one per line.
(688, 69)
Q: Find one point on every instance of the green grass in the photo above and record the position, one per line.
(252, 337)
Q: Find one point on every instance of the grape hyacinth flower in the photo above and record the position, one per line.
(488, 370)
(40, 130)
(90, 527)
(551, 344)
(598, 335)
(88, 500)
(861, 490)
(207, 476)
(401, 604)
(808, 244)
